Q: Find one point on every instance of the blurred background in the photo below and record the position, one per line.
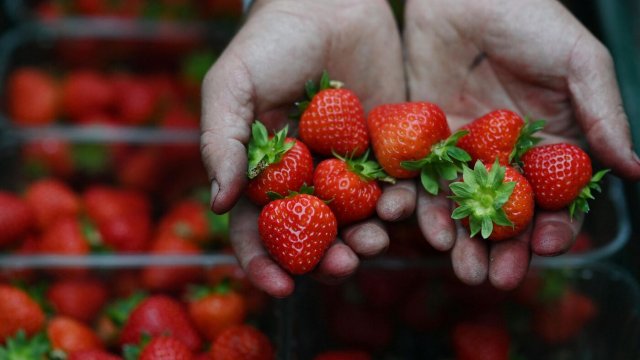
(99, 129)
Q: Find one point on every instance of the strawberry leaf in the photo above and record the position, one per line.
(368, 170)
(263, 151)
(481, 197)
(428, 181)
(580, 203)
(21, 347)
(526, 140)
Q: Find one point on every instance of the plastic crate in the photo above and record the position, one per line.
(410, 312)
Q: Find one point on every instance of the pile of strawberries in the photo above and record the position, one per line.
(504, 175)
(107, 318)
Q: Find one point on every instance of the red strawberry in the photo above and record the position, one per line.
(127, 233)
(189, 220)
(413, 138)
(500, 196)
(480, 340)
(343, 355)
(166, 348)
(71, 335)
(297, 231)
(142, 170)
(500, 134)
(136, 100)
(92, 355)
(560, 319)
(242, 342)
(180, 119)
(160, 315)
(560, 175)
(350, 186)
(32, 97)
(80, 299)
(65, 237)
(277, 164)
(214, 310)
(48, 157)
(16, 219)
(105, 202)
(333, 120)
(168, 278)
(51, 200)
(18, 311)
(86, 92)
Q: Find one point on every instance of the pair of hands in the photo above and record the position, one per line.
(467, 56)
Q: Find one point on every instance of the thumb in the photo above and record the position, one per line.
(596, 97)
(227, 113)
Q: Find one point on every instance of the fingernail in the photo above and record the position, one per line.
(215, 188)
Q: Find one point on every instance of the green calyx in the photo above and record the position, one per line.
(446, 161)
(264, 151)
(526, 140)
(199, 292)
(367, 169)
(311, 88)
(20, 347)
(119, 310)
(481, 197)
(304, 189)
(554, 284)
(580, 203)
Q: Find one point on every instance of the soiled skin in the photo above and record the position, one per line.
(468, 56)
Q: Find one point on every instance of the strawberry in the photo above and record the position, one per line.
(104, 202)
(18, 311)
(136, 100)
(80, 299)
(333, 120)
(16, 219)
(21, 347)
(560, 175)
(180, 119)
(69, 335)
(48, 157)
(115, 314)
(343, 355)
(558, 319)
(583, 243)
(165, 348)
(86, 92)
(51, 200)
(214, 310)
(142, 170)
(32, 97)
(480, 340)
(500, 196)
(297, 230)
(160, 315)
(190, 220)
(500, 134)
(414, 138)
(168, 278)
(92, 355)
(242, 342)
(65, 237)
(350, 186)
(126, 234)
(278, 164)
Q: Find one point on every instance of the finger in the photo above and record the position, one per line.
(398, 201)
(554, 232)
(367, 238)
(469, 258)
(227, 113)
(338, 263)
(594, 91)
(509, 261)
(261, 270)
(434, 218)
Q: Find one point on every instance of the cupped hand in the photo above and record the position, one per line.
(260, 75)
(530, 56)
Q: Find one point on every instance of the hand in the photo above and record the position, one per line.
(530, 56)
(260, 75)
